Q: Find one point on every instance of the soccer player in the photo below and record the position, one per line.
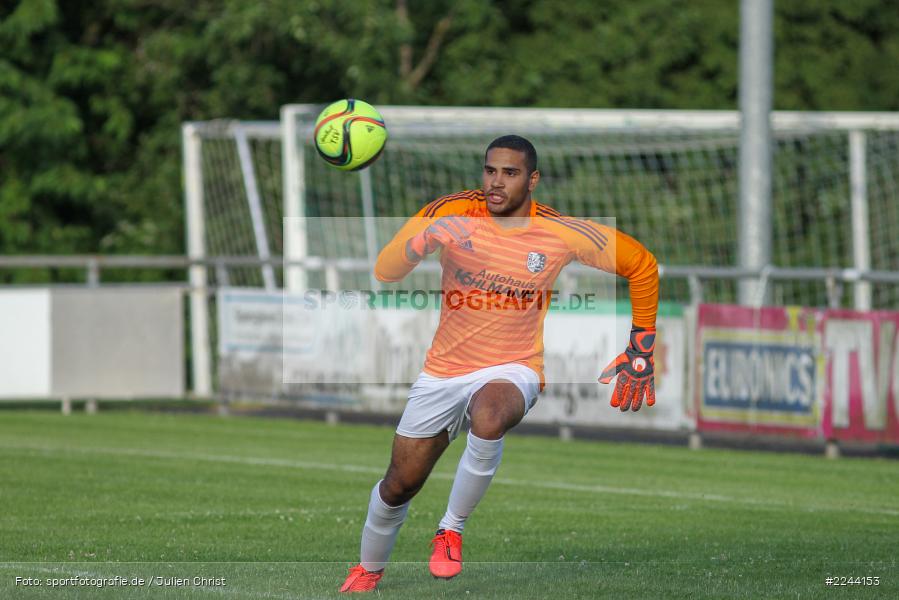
(485, 365)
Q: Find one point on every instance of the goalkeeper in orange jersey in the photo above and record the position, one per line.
(485, 364)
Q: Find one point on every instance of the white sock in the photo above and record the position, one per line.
(381, 528)
(476, 469)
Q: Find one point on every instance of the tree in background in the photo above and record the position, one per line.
(92, 94)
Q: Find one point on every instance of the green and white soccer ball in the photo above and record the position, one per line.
(350, 134)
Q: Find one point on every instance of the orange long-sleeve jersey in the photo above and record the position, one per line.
(508, 269)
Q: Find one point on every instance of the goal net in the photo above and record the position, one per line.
(668, 178)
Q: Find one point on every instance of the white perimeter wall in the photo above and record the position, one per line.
(24, 343)
(117, 343)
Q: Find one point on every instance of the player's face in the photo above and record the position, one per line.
(507, 185)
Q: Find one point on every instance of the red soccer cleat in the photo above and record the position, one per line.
(360, 580)
(446, 559)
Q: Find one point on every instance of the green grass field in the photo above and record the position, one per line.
(276, 507)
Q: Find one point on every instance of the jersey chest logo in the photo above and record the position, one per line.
(536, 262)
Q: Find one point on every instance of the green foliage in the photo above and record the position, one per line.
(92, 94)
(832, 55)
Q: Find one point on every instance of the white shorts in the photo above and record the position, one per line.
(438, 403)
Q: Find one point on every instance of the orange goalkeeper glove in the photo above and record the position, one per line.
(442, 232)
(634, 368)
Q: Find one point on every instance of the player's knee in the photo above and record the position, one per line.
(493, 415)
(396, 490)
(489, 424)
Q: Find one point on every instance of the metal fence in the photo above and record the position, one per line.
(215, 274)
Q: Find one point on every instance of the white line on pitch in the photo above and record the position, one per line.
(548, 485)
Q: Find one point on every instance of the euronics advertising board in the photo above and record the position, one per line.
(804, 372)
(272, 346)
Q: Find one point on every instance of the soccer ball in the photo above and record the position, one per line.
(350, 134)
